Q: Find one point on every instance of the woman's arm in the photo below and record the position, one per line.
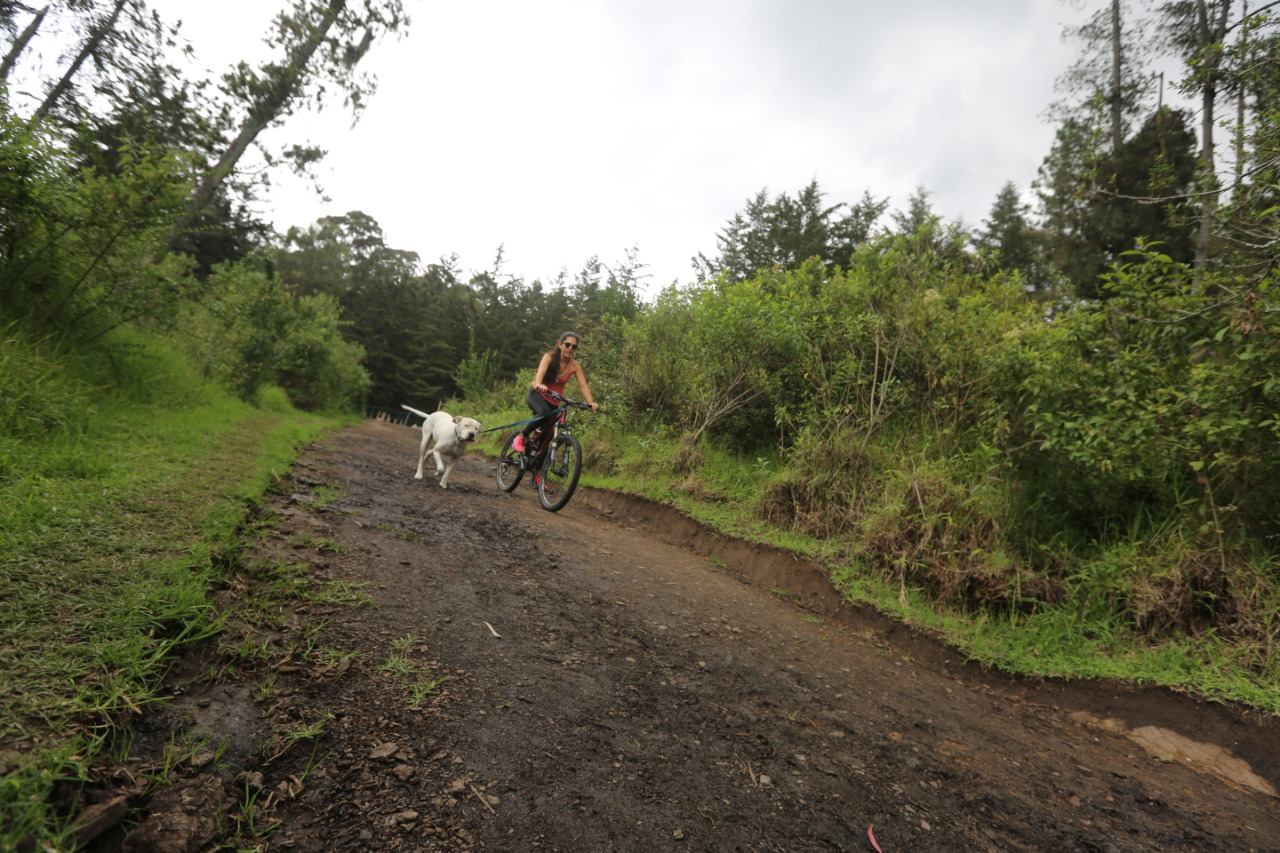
(582, 383)
(538, 384)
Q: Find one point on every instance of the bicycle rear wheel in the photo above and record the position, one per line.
(509, 470)
(559, 473)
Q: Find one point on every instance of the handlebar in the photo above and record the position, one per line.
(573, 404)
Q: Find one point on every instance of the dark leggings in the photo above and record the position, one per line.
(543, 411)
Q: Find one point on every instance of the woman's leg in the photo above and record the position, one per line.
(542, 410)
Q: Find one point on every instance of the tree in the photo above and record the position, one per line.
(7, 16)
(255, 332)
(115, 89)
(98, 32)
(600, 291)
(397, 312)
(785, 232)
(919, 213)
(1195, 31)
(621, 296)
(857, 227)
(427, 330)
(1232, 53)
(321, 42)
(746, 244)
(1249, 224)
(1011, 237)
(113, 40)
(1065, 186)
(77, 246)
(1098, 204)
(938, 240)
(1222, 45)
(519, 320)
(1108, 72)
(1154, 175)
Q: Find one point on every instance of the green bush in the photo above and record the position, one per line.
(476, 375)
(81, 246)
(272, 398)
(1163, 398)
(250, 332)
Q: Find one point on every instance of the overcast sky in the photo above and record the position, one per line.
(566, 129)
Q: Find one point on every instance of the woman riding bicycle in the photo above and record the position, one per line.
(555, 369)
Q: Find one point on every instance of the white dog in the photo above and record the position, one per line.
(445, 436)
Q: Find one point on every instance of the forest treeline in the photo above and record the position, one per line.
(1070, 407)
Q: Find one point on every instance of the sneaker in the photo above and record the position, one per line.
(518, 444)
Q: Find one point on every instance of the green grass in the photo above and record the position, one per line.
(116, 518)
(422, 683)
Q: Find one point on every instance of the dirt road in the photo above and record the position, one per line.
(613, 678)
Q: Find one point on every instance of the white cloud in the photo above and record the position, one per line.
(572, 128)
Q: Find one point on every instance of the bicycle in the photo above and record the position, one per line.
(554, 455)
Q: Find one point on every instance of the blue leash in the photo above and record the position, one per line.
(517, 423)
(509, 426)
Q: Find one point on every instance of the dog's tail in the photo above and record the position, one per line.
(423, 415)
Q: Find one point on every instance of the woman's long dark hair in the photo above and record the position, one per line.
(553, 369)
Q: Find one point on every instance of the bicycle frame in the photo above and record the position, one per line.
(547, 434)
(554, 459)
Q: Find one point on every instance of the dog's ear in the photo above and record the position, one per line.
(457, 419)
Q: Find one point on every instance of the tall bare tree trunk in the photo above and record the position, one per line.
(20, 44)
(86, 50)
(1117, 106)
(1240, 97)
(283, 88)
(1209, 34)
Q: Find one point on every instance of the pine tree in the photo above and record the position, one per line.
(1009, 235)
(787, 231)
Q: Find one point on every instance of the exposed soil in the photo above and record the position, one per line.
(615, 678)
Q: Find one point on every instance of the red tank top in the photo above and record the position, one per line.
(557, 384)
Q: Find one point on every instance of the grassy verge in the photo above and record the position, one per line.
(118, 511)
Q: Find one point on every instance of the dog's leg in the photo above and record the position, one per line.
(443, 468)
(422, 454)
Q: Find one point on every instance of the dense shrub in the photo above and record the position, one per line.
(250, 332)
(1164, 398)
(955, 438)
(80, 247)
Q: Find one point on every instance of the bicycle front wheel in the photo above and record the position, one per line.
(509, 470)
(559, 472)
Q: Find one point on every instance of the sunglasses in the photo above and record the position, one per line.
(568, 345)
